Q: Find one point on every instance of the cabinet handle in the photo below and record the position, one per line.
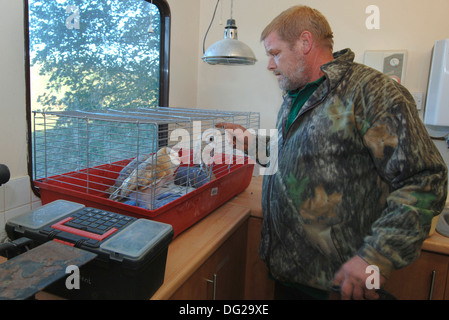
(214, 282)
(432, 282)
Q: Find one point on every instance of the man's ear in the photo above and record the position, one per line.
(306, 40)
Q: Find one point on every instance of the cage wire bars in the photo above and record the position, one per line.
(143, 157)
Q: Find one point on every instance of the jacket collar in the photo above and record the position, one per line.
(334, 72)
(337, 68)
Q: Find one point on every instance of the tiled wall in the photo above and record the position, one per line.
(16, 197)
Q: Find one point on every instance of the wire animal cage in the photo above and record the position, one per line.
(168, 164)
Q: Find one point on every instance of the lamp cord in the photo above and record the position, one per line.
(211, 21)
(232, 7)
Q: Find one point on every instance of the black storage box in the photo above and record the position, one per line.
(130, 262)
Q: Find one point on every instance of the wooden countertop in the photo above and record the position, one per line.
(251, 197)
(436, 242)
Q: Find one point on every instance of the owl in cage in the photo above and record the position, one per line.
(156, 170)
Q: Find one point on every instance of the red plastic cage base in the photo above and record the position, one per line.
(180, 213)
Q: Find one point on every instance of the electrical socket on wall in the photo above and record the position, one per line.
(419, 99)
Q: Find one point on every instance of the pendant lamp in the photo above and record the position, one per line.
(229, 51)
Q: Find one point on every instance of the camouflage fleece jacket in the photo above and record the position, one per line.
(357, 175)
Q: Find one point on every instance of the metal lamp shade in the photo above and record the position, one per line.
(229, 51)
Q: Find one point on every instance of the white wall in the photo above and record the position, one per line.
(184, 59)
(13, 149)
(196, 84)
(15, 197)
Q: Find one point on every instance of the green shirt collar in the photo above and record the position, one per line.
(299, 98)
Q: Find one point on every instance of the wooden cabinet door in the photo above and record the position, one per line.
(196, 287)
(258, 285)
(228, 273)
(222, 276)
(422, 280)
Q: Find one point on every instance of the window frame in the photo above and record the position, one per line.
(164, 72)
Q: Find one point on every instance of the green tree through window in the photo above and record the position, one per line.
(94, 54)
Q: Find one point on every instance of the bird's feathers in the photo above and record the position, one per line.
(146, 173)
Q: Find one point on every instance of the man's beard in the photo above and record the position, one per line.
(294, 80)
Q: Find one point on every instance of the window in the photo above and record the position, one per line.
(96, 54)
